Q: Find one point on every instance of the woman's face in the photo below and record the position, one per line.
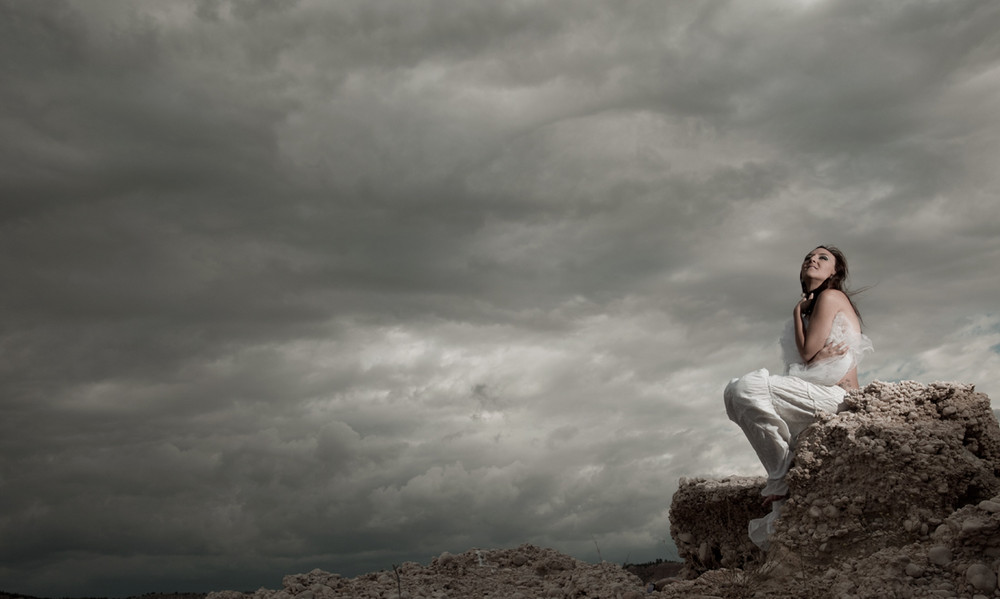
(819, 265)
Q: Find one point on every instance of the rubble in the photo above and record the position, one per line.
(524, 572)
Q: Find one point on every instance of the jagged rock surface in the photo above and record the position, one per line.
(898, 495)
(708, 522)
(889, 469)
(521, 573)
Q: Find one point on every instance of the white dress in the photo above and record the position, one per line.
(773, 409)
(827, 372)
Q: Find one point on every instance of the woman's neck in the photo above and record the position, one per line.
(813, 285)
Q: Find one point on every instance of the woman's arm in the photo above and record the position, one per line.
(829, 351)
(811, 340)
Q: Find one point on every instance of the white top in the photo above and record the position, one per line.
(827, 372)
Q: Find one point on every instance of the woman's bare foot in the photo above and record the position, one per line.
(771, 499)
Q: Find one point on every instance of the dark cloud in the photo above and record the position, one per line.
(296, 285)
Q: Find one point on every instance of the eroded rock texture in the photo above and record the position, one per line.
(708, 522)
(898, 495)
(888, 469)
(521, 573)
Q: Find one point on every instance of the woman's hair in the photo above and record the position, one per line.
(838, 281)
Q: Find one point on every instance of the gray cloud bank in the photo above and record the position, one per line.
(311, 284)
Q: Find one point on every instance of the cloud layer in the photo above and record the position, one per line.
(308, 284)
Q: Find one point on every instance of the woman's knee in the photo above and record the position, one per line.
(731, 391)
(751, 383)
(734, 397)
(740, 393)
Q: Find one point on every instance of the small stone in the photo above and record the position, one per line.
(686, 537)
(989, 506)
(973, 525)
(939, 555)
(981, 578)
(914, 570)
(704, 552)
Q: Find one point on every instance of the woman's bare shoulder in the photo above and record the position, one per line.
(834, 297)
(833, 302)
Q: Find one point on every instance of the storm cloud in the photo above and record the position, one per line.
(308, 284)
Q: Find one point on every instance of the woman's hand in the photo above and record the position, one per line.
(828, 351)
(797, 312)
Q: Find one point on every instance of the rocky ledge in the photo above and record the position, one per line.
(897, 495)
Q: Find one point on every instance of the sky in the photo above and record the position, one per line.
(338, 285)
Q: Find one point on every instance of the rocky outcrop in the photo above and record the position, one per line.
(521, 573)
(708, 521)
(898, 495)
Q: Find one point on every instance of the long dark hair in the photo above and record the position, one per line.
(838, 281)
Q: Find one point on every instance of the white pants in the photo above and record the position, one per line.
(772, 410)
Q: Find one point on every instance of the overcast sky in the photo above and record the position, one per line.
(342, 284)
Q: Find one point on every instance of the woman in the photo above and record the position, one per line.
(822, 346)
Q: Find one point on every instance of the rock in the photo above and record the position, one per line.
(974, 525)
(662, 583)
(981, 578)
(500, 573)
(715, 512)
(939, 555)
(868, 488)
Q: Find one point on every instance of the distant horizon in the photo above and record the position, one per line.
(303, 284)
